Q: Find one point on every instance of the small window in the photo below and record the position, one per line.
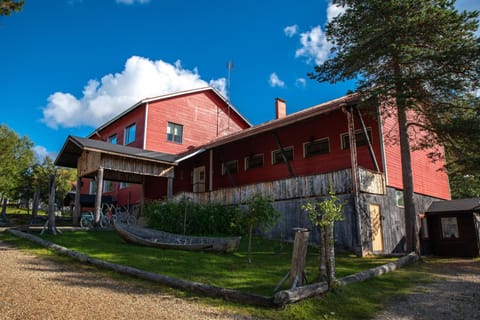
(107, 186)
(230, 167)
(359, 139)
(399, 198)
(174, 132)
(449, 228)
(92, 189)
(124, 185)
(113, 139)
(316, 147)
(255, 161)
(278, 158)
(130, 134)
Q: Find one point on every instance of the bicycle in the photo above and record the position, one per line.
(87, 220)
(123, 216)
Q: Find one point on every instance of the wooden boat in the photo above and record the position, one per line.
(161, 239)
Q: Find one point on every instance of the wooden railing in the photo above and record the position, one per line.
(294, 188)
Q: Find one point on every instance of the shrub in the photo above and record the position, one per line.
(184, 216)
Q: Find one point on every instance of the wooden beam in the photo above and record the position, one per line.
(369, 143)
(282, 151)
(98, 197)
(169, 188)
(77, 212)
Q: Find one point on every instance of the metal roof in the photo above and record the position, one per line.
(472, 204)
(74, 146)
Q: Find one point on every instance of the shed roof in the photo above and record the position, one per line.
(74, 146)
(460, 205)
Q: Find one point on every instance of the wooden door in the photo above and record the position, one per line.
(199, 179)
(376, 224)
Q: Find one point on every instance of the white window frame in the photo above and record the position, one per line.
(128, 138)
(287, 149)
(315, 141)
(172, 133)
(247, 159)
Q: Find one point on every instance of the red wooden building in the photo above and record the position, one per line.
(209, 152)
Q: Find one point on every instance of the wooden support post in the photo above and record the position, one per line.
(297, 271)
(51, 205)
(369, 143)
(357, 238)
(77, 212)
(170, 188)
(300, 246)
(282, 152)
(142, 197)
(98, 197)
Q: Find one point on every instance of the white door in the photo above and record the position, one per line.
(199, 179)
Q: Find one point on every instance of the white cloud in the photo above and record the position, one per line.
(301, 82)
(333, 10)
(41, 153)
(290, 31)
(314, 46)
(104, 99)
(130, 2)
(275, 81)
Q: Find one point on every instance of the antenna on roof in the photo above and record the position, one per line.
(230, 68)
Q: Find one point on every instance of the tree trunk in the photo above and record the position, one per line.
(411, 234)
(4, 209)
(36, 200)
(322, 270)
(330, 256)
(51, 206)
(250, 233)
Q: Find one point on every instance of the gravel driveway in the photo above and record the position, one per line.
(32, 287)
(456, 295)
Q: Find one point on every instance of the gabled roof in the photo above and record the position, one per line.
(461, 205)
(169, 96)
(272, 125)
(74, 146)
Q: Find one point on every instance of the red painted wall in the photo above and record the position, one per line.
(203, 116)
(332, 125)
(429, 178)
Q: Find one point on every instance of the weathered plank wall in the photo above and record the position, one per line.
(340, 182)
(393, 219)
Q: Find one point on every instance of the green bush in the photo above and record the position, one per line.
(190, 218)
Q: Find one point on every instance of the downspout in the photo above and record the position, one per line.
(210, 172)
(145, 127)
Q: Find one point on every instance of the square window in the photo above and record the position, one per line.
(124, 185)
(449, 228)
(107, 186)
(277, 156)
(316, 147)
(255, 161)
(399, 198)
(360, 139)
(230, 167)
(113, 139)
(130, 134)
(174, 132)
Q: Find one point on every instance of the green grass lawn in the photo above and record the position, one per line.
(271, 261)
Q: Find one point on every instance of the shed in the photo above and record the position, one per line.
(454, 227)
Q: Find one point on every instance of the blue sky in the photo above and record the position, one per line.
(67, 66)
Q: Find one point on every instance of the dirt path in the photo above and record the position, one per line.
(35, 288)
(455, 296)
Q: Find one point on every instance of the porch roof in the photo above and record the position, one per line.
(74, 147)
(460, 205)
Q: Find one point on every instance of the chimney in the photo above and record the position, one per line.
(280, 108)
